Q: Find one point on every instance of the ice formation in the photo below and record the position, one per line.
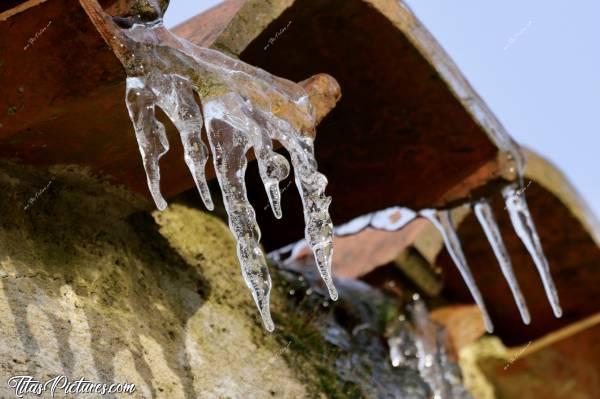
(422, 339)
(525, 229)
(485, 216)
(442, 220)
(399, 342)
(395, 218)
(430, 363)
(390, 219)
(243, 108)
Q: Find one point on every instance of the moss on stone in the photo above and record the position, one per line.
(308, 351)
(92, 285)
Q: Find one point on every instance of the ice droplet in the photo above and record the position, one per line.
(486, 219)
(525, 229)
(443, 222)
(400, 343)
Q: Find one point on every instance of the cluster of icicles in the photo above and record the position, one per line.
(521, 220)
(243, 108)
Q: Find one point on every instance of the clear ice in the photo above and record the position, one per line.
(420, 338)
(430, 364)
(485, 216)
(442, 220)
(523, 224)
(400, 342)
(395, 218)
(243, 108)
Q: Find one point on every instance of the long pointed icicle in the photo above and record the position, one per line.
(486, 219)
(311, 186)
(229, 146)
(443, 222)
(525, 229)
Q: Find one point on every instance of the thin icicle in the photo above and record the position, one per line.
(525, 229)
(443, 222)
(484, 214)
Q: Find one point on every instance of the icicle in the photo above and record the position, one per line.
(244, 108)
(311, 186)
(428, 350)
(229, 147)
(525, 229)
(176, 98)
(422, 344)
(443, 222)
(150, 134)
(484, 214)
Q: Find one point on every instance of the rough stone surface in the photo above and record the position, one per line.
(89, 289)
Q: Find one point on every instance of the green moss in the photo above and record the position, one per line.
(308, 350)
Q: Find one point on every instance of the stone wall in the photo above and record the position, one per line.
(93, 286)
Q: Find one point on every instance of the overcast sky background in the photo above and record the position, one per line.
(536, 64)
